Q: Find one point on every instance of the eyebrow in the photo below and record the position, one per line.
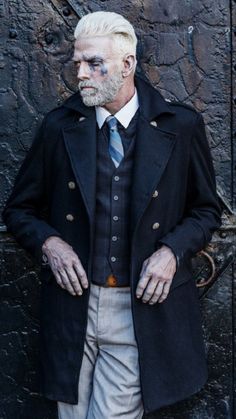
(92, 58)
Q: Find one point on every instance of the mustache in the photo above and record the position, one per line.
(86, 83)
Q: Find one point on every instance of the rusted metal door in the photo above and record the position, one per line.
(185, 49)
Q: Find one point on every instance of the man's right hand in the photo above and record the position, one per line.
(65, 265)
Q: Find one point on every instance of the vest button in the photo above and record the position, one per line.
(70, 217)
(113, 258)
(115, 218)
(155, 226)
(155, 194)
(115, 197)
(117, 178)
(71, 185)
(114, 238)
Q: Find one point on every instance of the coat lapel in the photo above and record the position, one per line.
(80, 142)
(153, 149)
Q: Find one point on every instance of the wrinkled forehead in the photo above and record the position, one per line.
(97, 46)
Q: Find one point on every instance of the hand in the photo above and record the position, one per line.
(65, 265)
(156, 276)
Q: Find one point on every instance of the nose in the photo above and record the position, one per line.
(83, 71)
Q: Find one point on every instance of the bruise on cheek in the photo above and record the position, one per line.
(103, 70)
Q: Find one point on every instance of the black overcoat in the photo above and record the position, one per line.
(172, 157)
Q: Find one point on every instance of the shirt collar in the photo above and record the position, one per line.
(124, 115)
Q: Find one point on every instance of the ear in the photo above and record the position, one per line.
(129, 63)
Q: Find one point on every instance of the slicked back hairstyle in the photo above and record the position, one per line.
(108, 24)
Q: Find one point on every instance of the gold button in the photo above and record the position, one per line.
(111, 281)
(155, 194)
(71, 185)
(155, 226)
(70, 217)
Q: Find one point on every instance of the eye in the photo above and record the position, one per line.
(95, 63)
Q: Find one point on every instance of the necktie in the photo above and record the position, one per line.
(116, 149)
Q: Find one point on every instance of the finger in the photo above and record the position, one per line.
(151, 286)
(81, 274)
(74, 281)
(142, 283)
(66, 282)
(165, 292)
(144, 267)
(58, 278)
(157, 293)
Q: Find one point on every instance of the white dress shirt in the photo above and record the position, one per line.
(124, 115)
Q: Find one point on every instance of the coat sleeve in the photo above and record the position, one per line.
(24, 213)
(202, 210)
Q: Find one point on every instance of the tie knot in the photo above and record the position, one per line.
(112, 122)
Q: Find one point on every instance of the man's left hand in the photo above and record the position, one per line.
(156, 276)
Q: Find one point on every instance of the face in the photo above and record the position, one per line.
(99, 70)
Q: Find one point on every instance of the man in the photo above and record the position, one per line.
(116, 195)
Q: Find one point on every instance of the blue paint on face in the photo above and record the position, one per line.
(96, 62)
(103, 70)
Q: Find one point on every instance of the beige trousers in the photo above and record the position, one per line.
(109, 384)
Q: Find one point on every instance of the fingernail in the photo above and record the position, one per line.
(144, 301)
(138, 295)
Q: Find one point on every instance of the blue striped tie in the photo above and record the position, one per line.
(116, 149)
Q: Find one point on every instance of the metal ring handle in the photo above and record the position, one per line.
(213, 270)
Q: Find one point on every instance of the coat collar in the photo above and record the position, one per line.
(75, 103)
(151, 102)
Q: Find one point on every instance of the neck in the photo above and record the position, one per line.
(124, 95)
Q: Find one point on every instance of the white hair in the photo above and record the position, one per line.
(108, 24)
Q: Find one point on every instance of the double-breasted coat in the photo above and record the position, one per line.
(173, 202)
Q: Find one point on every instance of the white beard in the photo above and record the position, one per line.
(103, 92)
